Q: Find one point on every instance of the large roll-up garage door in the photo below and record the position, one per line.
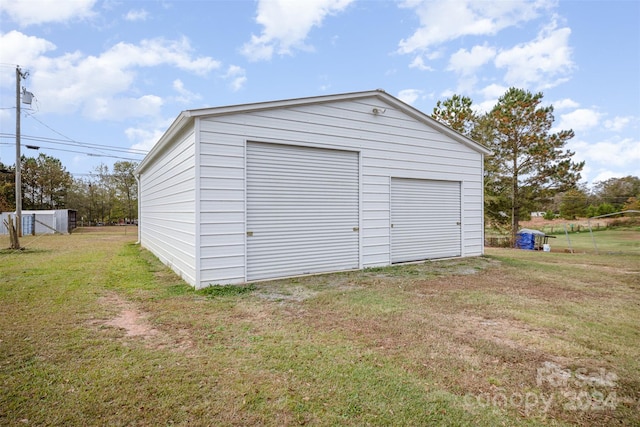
(302, 210)
(425, 219)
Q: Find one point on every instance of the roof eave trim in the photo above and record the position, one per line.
(269, 105)
(176, 127)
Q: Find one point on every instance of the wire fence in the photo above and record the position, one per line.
(598, 241)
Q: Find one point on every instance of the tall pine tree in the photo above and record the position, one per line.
(456, 112)
(529, 163)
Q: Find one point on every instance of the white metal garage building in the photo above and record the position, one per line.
(258, 191)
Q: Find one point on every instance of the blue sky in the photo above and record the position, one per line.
(110, 76)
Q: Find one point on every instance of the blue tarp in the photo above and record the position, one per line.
(525, 241)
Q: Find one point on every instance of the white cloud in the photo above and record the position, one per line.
(442, 21)
(604, 175)
(108, 108)
(179, 87)
(409, 95)
(447, 93)
(144, 138)
(466, 62)
(618, 123)
(418, 63)
(153, 52)
(286, 25)
(185, 96)
(136, 15)
(565, 104)
(544, 62)
(490, 93)
(19, 48)
(99, 86)
(493, 91)
(484, 106)
(609, 158)
(578, 120)
(31, 12)
(466, 84)
(237, 76)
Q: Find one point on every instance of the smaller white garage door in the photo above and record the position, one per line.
(425, 219)
(302, 210)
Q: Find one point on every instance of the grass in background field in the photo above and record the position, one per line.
(95, 331)
(614, 241)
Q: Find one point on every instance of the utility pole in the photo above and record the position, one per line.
(19, 75)
(28, 97)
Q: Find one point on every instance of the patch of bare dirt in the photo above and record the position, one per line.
(501, 331)
(135, 324)
(530, 287)
(307, 288)
(561, 222)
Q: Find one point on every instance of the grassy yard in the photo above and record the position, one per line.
(95, 331)
(611, 242)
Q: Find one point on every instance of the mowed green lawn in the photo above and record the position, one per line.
(609, 242)
(95, 331)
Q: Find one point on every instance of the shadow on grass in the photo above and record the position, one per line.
(23, 251)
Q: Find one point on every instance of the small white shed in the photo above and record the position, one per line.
(61, 221)
(258, 191)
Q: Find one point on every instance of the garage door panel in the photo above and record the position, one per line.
(425, 217)
(302, 208)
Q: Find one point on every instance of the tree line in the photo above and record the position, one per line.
(105, 196)
(530, 170)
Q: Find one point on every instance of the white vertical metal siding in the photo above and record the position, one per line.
(167, 207)
(222, 207)
(302, 210)
(425, 219)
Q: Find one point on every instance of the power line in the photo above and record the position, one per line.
(133, 151)
(53, 130)
(93, 175)
(79, 152)
(60, 133)
(70, 141)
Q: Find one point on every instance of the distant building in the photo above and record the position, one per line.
(61, 221)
